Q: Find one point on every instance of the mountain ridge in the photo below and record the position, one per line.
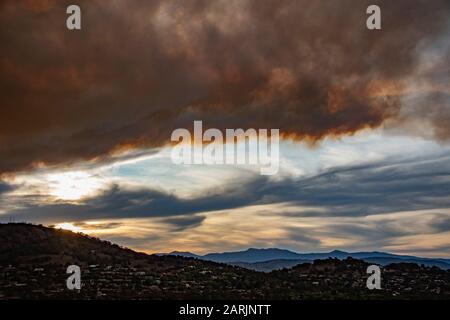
(259, 256)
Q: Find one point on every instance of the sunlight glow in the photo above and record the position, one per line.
(68, 226)
(72, 185)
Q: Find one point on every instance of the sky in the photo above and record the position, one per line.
(86, 118)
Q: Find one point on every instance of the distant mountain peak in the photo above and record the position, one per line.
(338, 252)
(186, 254)
(180, 252)
(267, 250)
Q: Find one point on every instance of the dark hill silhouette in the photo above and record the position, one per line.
(25, 243)
(33, 263)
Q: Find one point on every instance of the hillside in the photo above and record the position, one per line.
(29, 244)
(270, 265)
(33, 263)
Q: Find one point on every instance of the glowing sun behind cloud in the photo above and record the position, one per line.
(68, 226)
(72, 185)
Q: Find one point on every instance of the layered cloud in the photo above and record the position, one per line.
(257, 226)
(137, 70)
(345, 191)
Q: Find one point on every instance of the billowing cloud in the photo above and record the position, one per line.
(137, 70)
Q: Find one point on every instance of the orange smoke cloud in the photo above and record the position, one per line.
(137, 70)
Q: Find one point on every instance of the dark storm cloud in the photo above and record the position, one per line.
(5, 187)
(303, 236)
(139, 69)
(182, 223)
(375, 234)
(441, 223)
(119, 202)
(369, 189)
(97, 226)
(381, 187)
